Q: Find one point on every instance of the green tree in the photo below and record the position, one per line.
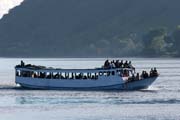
(176, 40)
(154, 42)
(124, 46)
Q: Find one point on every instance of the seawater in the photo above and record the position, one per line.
(159, 102)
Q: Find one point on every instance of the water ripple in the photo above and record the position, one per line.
(50, 101)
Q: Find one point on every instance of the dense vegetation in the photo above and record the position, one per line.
(91, 28)
(161, 42)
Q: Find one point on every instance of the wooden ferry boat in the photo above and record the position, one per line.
(40, 77)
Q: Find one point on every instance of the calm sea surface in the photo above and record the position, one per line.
(161, 101)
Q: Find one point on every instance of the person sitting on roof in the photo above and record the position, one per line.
(121, 64)
(137, 76)
(117, 64)
(126, 64)
(133, 77)
(106, 64)
(22, 63)
(155, 73)
(113, 64)
(151, 72)
(146, 75)
(131, 66)
(142, 74)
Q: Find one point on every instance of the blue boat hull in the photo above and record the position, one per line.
(133, 85)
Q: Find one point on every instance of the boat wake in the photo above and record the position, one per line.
(69, 100)
(150, 89)
(7, 87)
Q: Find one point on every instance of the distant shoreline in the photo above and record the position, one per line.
(90, 58)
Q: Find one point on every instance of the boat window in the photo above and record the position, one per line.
(96, 76)
(23, 74)
(100, 73)
(113, 73)
(89, 75)
(108, 73)
(31, 73)
(105, 73)
(121, 72)
(18, 73)
(79, 75)
(118, 72)
(85, 76)
(62, 76)
(42, 75)
(67, 75)
(125, 73)
(55, 75)
(72, 76)
(48, 75)
(34, 74)
(92, 75)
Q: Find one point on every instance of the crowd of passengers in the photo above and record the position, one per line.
(153, 73)
(117, 64)
(107, 65)
(57, 75)
(22, 64)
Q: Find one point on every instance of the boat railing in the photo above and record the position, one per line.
(43, 69)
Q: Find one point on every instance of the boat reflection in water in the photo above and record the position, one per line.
(109, 77)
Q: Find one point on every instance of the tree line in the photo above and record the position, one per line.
(162, 42)
(156, 42)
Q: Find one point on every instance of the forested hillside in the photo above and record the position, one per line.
(91, 28)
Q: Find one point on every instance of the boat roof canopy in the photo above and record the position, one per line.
(69, 70)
